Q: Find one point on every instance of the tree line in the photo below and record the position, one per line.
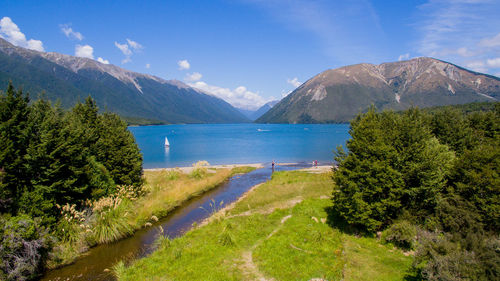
(428, 181)
(50, 157)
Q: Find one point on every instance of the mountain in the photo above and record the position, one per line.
(70, 79)
(337, 95)
(254, 114)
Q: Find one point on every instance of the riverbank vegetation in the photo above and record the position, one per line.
(51, 163)
(119, 215)
(279, 230)
(430, 181)
(72, 179)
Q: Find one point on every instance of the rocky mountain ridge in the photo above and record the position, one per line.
(69, 79)
(337, 95)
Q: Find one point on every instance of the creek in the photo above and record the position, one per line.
(97, 263)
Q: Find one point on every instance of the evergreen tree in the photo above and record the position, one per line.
(394, 164)
(13, 143)
(368, 187)
(117, 150)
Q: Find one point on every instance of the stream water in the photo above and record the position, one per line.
(96, 263)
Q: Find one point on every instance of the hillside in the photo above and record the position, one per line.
(337, 95)
(70, 79)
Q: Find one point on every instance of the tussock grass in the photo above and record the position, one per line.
(112, 224)
(167, 190)
(264, 236)
(118, 216)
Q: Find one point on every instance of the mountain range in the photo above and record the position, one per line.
(333, 96)
(70, 79)
(337, 95)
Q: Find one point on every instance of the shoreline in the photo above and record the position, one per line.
(189, 169)
(321, 168)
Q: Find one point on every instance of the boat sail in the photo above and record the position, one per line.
(167, 144)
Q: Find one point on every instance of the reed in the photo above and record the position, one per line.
(167, 191)
(117, 216)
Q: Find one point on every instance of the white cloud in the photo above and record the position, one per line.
(294, 82)
(285, 93)
(491, 42)
(404, 57)
(36, 45)
(11, 32)
(240, 97)
(126, 49)
(183, 65)
(101, 60)
(84, 51)
(444, 25)
(136, 46)
(126, 60)
(191, 77)
(494, 62)
(478, 66)
(464, 52)
(70, 33)
(148, 65)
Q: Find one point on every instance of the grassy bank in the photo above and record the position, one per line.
(279, 230)
(116, 217)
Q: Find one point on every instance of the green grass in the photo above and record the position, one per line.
(276, 232)
(368, 259)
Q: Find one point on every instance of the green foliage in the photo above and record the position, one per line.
(51, 158)
(110, 220)
(402, 234)
(14, 113)
(393, 163)
(439, 257)
(438, 169)
(117, 150)
(24, 246)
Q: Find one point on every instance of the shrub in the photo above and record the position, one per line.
(110, 219)
(439, 257)
(199, 170)
(24, 247)
(401, 234)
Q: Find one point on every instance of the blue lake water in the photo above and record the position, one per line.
(238, 143)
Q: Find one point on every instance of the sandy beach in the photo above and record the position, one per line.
(188, 170)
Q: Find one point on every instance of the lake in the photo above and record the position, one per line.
(238, 143)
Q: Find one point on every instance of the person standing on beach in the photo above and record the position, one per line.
(272, 164)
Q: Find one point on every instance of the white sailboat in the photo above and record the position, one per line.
(167, 144)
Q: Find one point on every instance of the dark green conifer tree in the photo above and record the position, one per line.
(13, 143)
(117, 150)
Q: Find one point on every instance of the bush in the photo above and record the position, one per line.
(24, 247)
(110, 220)
(439, 257)
(199, 170)
(401, 234)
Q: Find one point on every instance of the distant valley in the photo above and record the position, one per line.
(337, 95)
(255, 114)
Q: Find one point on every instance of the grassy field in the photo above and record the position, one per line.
(279, 230)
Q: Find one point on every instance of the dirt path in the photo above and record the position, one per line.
(249, 269)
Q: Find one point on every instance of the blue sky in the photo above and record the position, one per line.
(252, 51)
